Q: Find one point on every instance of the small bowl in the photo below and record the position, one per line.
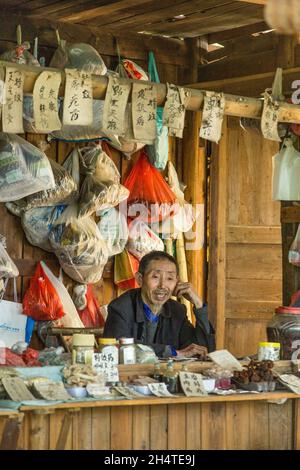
(209, 384)
(77, 392)
(144, 389)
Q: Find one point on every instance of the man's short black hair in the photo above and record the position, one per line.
(155, 255)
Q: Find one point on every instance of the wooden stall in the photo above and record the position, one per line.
(203, 45)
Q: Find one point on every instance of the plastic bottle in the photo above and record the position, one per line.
(127, 351)
(157, 374)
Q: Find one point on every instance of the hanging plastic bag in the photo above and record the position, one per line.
(294, 251)
(158, 152)
(286, 173)
(79, 246)
(142, 240)
(79, 56)
(89, 310)
(37, 224)
(71, 318)
(24, 169)
(114, 230)
(8, 268)
(149, 193)
(132, 70)
(64, 192)
(100, 189)
(41, 301)
(125, 268)
(20, 53)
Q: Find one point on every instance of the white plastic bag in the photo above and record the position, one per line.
(79, 246)
(37, 224)
(71, 318)
(286, 173)
(142, 240)
(8, 268)
(24, 169)
(294, 251)
(114, 230)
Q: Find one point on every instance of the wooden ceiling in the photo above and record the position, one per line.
(174, 18)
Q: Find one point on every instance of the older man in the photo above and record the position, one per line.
(151, 317)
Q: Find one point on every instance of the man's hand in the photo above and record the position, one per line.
(186, 290)
(192, 350)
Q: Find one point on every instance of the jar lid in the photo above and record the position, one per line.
(270, 345)
(126, 340)
(288, 310)
(83, 340)
(107, 341)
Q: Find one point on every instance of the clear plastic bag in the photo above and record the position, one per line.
(79, 246)
(286, 173)
(79, 56)
(142, 240)
(8, 268)
(24, 169)
(37, 224)
(20, 55)
(28, 117)
(114, 230)
(100, 189)
(294, 251)
(64, 192)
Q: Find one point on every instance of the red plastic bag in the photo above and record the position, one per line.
(149, 195)
(8, 358)
(41, 301)
(91, 315)
(30, 357)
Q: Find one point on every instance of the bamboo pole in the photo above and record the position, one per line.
(239, 106)
(183, 273)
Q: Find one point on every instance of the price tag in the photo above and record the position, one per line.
(104, 363)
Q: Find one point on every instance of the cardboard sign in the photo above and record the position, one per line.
(45, 104)
(78, 100)
(12, 111)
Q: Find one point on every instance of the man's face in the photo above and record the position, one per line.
(158, 282)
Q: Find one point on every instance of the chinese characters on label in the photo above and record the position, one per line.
(269, 120)
(78, 100)
(12, 119)
(116, 98)
(144, 104)
(192, 384)
(45, 104)
(213, 114)
(105, 363)
(174, 110)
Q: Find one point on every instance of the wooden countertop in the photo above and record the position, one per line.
(169, 401)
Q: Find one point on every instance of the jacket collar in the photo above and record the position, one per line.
(139, 311)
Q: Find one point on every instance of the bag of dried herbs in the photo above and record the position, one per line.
(79, 246)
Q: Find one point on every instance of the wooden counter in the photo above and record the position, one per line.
(245, 421)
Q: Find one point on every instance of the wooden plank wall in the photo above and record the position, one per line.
(20, 250)
(245, 251)
(228, 425)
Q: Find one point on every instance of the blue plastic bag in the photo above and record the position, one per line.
(158, 152)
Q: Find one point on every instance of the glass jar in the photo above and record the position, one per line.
(82, 349)
(170, 378)
(109, 348)
(127, 351)
(284, 328)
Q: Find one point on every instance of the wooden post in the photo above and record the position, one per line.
(217, 240)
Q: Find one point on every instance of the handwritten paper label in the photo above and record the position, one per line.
(192, 384)
(160, 390)
(144, 104)
(12, 120)
(116, 98)
(213, 114)
(291, 381)
(45, 105)
(78, 101)
(174, 110)
(269, 119)
(105, 364)
(128, 392)
(225, 359)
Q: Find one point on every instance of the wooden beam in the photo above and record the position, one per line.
(256, 2)
(235, 105)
